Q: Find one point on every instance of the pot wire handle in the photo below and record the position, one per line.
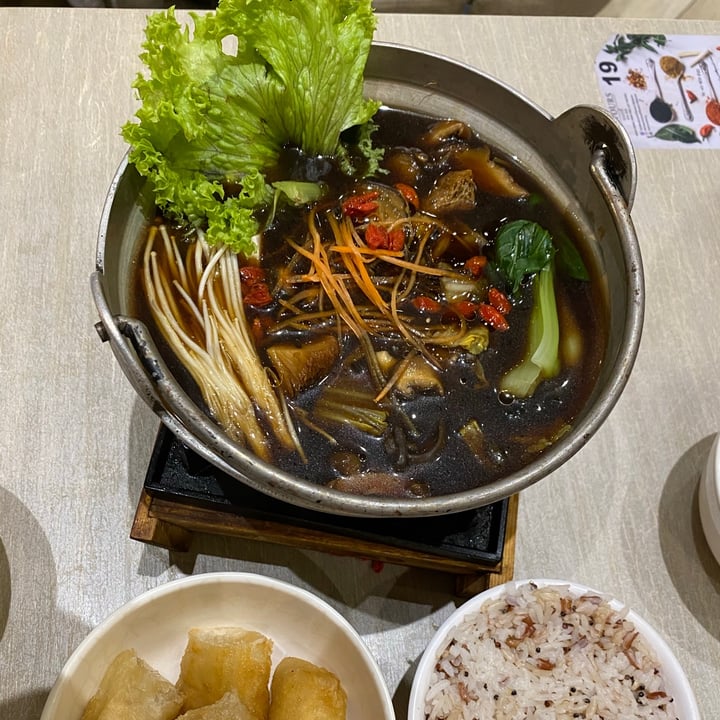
(620, 210)
(177, 410)
(122, 335)
(603, 177)
(581, 131)
(155, 377)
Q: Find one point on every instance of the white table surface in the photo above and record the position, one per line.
(621, 516)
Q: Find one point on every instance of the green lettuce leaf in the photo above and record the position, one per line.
(213, 115)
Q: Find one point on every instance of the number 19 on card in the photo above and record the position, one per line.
(609, 72)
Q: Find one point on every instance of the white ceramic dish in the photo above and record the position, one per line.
(709, 499)
(685, 705)
(156, 625)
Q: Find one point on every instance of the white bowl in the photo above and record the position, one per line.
(709, 499)
(157, 622)
(685, 705)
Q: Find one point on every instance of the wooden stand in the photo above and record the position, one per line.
(171, 525)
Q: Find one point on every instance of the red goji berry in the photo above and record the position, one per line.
(258, 295)
(475, 265)
(492, 317)
(410, 195)
(396, 239)
(252, 274)
(499, 300)
(706, 131)
(426, 304)
(465, 308)
(360, 206)
(692, 97)
(376, 236)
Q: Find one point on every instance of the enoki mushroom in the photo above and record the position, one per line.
(197, 305)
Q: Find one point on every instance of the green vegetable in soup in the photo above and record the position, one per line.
(349, 405)
(541, 359)
(522, 249)
(298, 192)
(213, 116)
(294, 192)
(568, 260)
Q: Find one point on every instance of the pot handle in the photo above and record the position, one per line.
(602, 174)
(136, 353)
(124, 336)
(150, 376)
(586, 132)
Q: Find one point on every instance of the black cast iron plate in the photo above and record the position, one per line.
(178, 474)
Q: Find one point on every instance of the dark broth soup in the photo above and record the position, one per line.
(360, 426)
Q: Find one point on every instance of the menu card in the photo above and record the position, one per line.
(663, 89)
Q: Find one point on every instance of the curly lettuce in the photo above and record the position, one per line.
(213, 116)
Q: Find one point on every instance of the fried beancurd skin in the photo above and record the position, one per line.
(301, 690)
(223, 659)
(132, 690)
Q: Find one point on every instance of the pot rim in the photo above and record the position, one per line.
(241, 464)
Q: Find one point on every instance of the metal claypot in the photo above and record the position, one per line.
(584, 161)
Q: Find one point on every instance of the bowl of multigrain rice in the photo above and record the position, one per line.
(547, 649)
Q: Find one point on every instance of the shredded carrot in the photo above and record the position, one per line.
(355, 265)
(336, 290)
(356, 257)
(366, 251)
(398, 372)
(425, 269)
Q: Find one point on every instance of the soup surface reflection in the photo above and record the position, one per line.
(383, 316)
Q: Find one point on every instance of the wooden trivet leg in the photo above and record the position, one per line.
(469, 585)
(149, 529)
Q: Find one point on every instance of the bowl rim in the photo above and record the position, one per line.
(674, 674)
(241, 579)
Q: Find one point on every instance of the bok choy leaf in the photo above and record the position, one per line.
(541, 360)
(524, 248)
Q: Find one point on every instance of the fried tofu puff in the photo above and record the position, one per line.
(228, 707)
(222, 659)
(301, 690)
(132, 690)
